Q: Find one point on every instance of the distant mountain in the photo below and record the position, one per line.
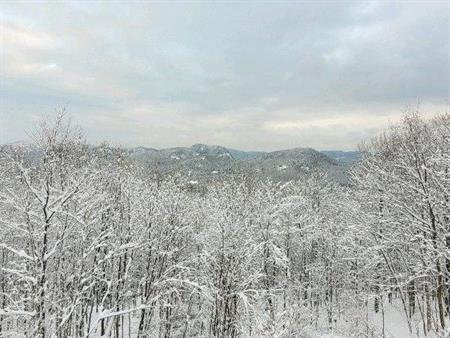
(202, 160)
(284, 165)
(344, 157)
(241, 154)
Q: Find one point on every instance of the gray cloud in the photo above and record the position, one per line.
(249, 75)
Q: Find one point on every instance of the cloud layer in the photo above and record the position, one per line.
(247, 75)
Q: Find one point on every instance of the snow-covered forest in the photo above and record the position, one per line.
(93, 244)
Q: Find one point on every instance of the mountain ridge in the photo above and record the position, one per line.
(202, 161)
(341, 156)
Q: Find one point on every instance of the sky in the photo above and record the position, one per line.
(248, 75)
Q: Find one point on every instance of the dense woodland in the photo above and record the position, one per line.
(94, 244)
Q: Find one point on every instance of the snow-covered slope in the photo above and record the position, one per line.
(201, 159)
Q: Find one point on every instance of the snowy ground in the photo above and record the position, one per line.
(395, 326)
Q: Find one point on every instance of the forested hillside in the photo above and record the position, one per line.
(204, 162)
(94, 243)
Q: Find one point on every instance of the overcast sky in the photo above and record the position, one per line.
(249, 75)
